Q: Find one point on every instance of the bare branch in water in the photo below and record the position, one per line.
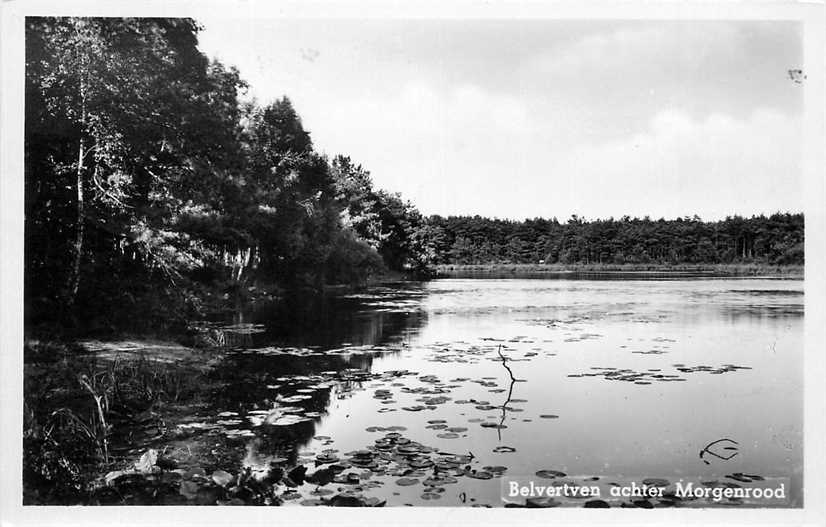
(510, 391)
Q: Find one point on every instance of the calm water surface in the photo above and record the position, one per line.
(615, 379)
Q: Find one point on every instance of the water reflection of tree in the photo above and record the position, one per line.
(330, 321)
(243, 381)
(326, 323)
(510, 392)
(244, 377)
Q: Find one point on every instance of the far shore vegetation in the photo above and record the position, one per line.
(517, 270)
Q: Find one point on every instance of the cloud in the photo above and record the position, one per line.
(546, 118)
(420, 108)
(618, 78)
(419, 140)
(650, 51)
(469, 151)
(681, 166)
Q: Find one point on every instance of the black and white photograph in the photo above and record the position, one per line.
(318, 256)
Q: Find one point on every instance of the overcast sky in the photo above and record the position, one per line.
(529, 118)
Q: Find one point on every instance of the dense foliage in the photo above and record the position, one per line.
(776, 239)
(150, 187)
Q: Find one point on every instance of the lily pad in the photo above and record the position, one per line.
(327, 457)
(541, 503)
(321, 492)
(421, 463)
(656, 482)
(550, 474)
(291, 495)
(438, 479)
(496, 470)
(286, 420)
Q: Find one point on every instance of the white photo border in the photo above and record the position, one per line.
(812, 15)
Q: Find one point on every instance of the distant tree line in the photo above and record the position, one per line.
(775, 239)
(151, 192)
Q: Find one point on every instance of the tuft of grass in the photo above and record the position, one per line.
(75, 406)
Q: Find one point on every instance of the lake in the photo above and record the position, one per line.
(437, 393)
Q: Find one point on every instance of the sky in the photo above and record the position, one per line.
(542, 118)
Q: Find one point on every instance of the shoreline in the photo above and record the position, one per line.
(695, 270)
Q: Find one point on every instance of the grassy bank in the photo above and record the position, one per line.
(91, 407)
(753, 269)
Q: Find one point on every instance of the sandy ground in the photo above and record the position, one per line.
(152, 350)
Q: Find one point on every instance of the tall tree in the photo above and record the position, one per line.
(117, 110)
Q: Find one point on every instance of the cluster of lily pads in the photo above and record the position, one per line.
(345, 351)
(396, 460)
(330, 479)
(393, 461)
(654, 374)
